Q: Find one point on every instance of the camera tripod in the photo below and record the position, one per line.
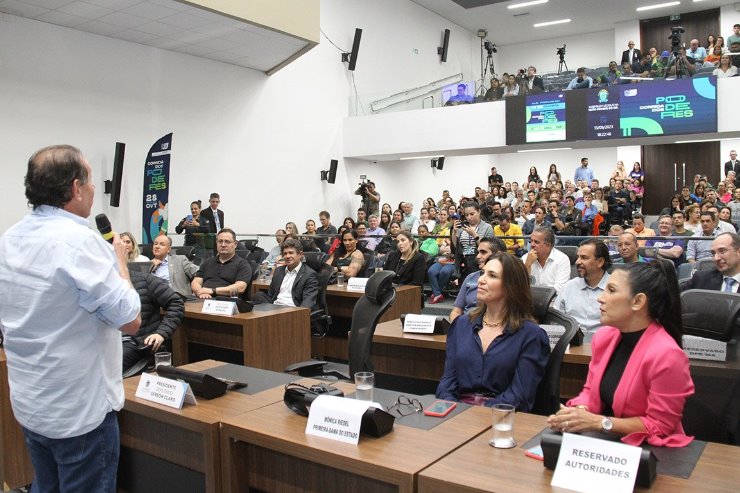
(562, 64)
(680, 64)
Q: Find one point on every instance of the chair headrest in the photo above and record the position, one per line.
(379, 285)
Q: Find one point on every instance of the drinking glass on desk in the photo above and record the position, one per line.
(364, 384)
(233, 292)
(162, 359)
(340, 280)
(503, 426)
(264, 269)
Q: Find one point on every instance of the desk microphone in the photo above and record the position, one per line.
(103, 224)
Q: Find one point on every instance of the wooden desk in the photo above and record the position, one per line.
(478, 467)
(268, 450)
(15, 464)
(574, 370)
(189, 437)
(341, 301)
(408, 355)
(269, 339)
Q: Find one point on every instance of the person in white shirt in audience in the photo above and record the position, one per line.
(579, 295)
(177, 270)
(724, 226)
(423, 219)
(698, 250)
(409, 218)
(546, 265)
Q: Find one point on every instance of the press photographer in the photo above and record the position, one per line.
(370, 197)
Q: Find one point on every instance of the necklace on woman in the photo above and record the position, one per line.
(491, 324)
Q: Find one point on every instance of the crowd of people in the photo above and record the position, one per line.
(713, 56)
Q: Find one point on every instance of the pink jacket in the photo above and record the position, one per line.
(654, 387)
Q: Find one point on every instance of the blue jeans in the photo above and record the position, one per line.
(439, 276)
(83, 463)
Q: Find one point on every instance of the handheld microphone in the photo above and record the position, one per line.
(103, 224)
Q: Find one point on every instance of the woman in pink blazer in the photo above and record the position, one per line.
(638, 379)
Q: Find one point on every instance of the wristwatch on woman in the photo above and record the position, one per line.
(607, 424)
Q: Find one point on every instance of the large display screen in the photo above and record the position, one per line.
(545, 117)
(649, 108)
(681, 106)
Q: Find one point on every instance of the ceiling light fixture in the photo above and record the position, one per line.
(657, 6)
(694, 141)
(552, 23)
(526, 4)
(421, 157)
(545, 150)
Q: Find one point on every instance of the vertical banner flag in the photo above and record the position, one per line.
(156, 189)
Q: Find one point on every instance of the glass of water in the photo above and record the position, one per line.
(503, 426)
(364, 384)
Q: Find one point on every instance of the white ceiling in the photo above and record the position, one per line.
(170, 25)
(507, 27)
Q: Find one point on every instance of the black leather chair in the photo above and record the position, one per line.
(379, 296)
(249, 244)
(547, 400)
(315, 259)
(146, 250)
(187, 251)
(542, 297)
(713, 412)
(320, 318)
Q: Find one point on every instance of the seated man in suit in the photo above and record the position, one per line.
(224, 273)
(177, 270)
(293, 284)
(725, 251)
(156, 328)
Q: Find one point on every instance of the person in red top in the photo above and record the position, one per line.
(638, 379)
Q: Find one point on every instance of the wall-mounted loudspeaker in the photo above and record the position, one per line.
(442, 50)
(441, 163)
(113, 187)
(331, 175)
(352, 56)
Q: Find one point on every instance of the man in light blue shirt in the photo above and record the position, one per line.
(698, 53)
(584, 173)
(579, 296)
(64, 295)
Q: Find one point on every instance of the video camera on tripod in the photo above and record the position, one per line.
(561, 52)
(675, 38)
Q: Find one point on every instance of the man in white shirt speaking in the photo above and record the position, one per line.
(64, 295)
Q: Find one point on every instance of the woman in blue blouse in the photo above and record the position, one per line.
(496, 353)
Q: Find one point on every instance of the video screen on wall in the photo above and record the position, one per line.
(675, 107)
(681, 106)
(545, 117)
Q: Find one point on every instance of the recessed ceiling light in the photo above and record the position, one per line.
(526, 4)
(658, 6)
(552, 23)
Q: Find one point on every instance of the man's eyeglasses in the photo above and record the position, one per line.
(405, 406)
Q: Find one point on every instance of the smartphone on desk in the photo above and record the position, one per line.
(440, 409)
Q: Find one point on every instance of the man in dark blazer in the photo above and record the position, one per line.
(293, 284)
(631, 54)
(733, 165)
(213, 214)
(533, 82)
(726, 255)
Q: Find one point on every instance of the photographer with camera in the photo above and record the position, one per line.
(681, 65)
(370, 198)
